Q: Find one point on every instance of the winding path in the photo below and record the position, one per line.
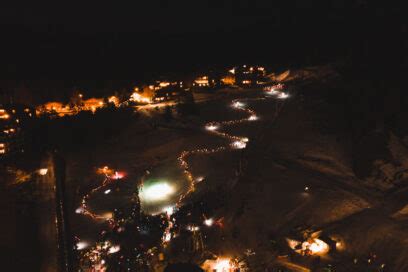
(213, 127)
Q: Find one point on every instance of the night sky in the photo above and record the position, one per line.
(137, 40)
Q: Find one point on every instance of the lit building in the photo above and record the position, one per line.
(54, 107)
(169, 93)
(228, 80)
(12, 119)
(249, 76)
(210, 80)
(93, 104)
(165, 83)
(202, 81)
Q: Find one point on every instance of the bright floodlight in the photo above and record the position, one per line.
(43, 171)
(238, 104)
(209, 222)
(107, 191)
(272, 92)
(157, 192)
(113, 249)
(222, 265)
(169, 210)
(79, 210)
(253, 118)
(245, 140)
(283, 95)
(118, 175)
(239, 144)
(200, 178)
(316, 246)
(167, 237)
(81, 245)
(211, 127)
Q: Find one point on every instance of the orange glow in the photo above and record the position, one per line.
(104, 170)
(228, 80)
(3, 114)
(93, 104)
(58, 107)
(313, 246)
(219, 265)
(164, 84)
(136, 97)
(202, 81)
(114, 100)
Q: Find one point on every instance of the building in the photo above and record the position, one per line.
(210, 80)
(249, 76)
(13, 119)
(54, 107)
(169, 93)
(228, 80)
(202, 81)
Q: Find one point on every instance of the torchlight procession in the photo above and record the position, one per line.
(204, 136)
(156, 192)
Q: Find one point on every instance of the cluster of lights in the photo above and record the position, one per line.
(160, 191)
(312, 246)
(277, 91)
(278, 86)
(221, 264)
(136, 97)
(193, 228)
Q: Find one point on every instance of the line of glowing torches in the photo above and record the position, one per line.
(277, 91)
(212, 127)
(95, 253)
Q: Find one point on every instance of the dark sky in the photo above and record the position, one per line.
(124, 40)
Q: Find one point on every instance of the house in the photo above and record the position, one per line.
(169, 93)
(13, 118)
(249, 76)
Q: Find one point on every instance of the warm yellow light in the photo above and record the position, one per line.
(139, 98)
(42, 171)
(202, 81)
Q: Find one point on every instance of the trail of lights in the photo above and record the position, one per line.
(236, 142)
(94, 255)
(83, 209)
